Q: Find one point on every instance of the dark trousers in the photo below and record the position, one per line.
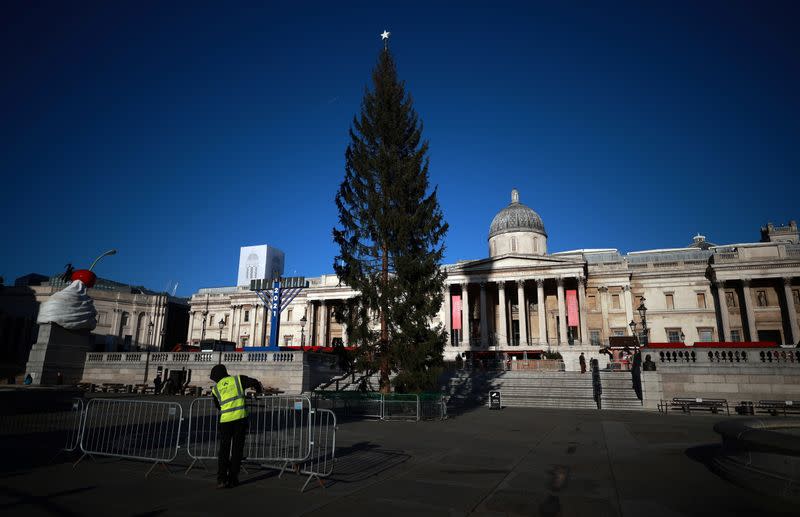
(231, 446)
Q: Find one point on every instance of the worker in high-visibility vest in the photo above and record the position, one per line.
(230, 400)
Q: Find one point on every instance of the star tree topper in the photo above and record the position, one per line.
(385, 37)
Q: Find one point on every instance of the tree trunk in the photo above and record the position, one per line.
(384, 361)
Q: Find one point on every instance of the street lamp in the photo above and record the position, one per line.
(303, 322)
(106, 254)
(221, 326)
(642, 310)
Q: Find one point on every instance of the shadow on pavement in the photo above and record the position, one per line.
(364, 460)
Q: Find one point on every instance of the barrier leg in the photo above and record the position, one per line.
(310, 477)
(163, 466)
(79, 460)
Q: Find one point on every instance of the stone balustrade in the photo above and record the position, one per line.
(700, 356)
(183, 358)
(289, 371)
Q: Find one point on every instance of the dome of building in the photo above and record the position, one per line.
(518, 230)
(516, 217)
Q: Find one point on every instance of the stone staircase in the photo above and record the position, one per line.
(539, 389)
(618, 391)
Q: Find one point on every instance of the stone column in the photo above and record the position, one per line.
(484, 318)
(748, 305)
(790, 308)
(465, 330)
(188, 336)
(323, 323)
(628, 308)
(522, 310)
(310, 323)
(583, 311)
(253, 317)
(604, 306)
(541, 312)
(448, 322)
(724, 316)
(562, 313)
(502, 331)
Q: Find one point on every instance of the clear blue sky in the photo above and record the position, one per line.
(179, 133)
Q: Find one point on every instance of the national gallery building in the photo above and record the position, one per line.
(523, 300)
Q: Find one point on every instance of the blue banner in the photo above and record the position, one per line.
(275, 312)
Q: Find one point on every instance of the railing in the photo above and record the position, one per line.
(193, 357)
(704, 356)
(389, 406)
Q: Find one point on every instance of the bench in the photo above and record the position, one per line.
(688, 404)
(773, 407)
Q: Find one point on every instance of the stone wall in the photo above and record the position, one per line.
(291, 372)
(734, 374)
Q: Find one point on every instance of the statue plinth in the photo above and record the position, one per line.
(58, 350)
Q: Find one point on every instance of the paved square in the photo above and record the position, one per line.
(509, 462)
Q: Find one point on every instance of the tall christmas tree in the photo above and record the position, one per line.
(390, 236)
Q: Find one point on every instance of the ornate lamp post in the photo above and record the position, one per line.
(221, 326)
(303, 322)
(642, 310)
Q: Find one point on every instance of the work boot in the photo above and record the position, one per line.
(233, 483)
(221, 483)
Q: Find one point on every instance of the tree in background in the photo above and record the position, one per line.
(390, 236)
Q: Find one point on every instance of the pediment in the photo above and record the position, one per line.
(514, 263)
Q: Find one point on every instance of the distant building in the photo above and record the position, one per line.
(523, 299)
(124, 314)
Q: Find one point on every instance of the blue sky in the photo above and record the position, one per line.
(178, 132)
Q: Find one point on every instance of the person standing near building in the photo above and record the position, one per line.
(230, 400)
(582, 361)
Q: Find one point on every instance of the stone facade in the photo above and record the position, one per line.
(518, 300)
(124, 314)
(291, 372)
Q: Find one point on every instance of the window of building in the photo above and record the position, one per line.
(513, 244)
(701, 301)
(618, 332)
(730, 299)
(670, 301)
(594, 337)
(245, 339)
(674, 335)
(592, 301)
(124, 319)
(637, 301)
(705, 334)
(211, 320)
(736, 335)
(615, 301)
(246, 316)
(287, 340)
(761, 298)
(289, 315)
(796, 296)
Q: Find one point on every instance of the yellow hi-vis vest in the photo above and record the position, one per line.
(230, 395)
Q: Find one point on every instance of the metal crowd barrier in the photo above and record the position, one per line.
(400, 406)
(433, 406)
(65, 420)
(323, 447)
(279, 430)
(390, 406)
(133, 429)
